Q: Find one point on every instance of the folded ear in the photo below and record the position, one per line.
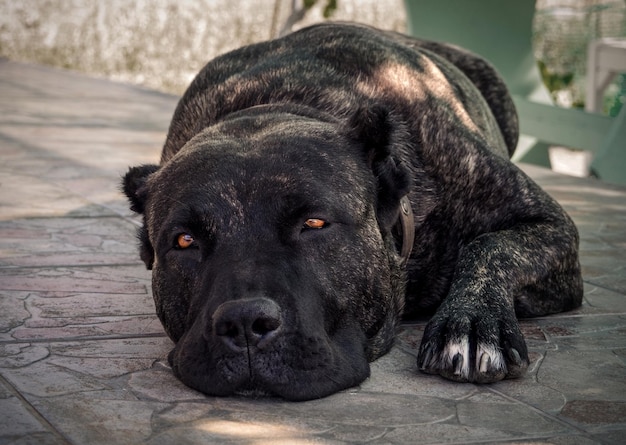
(386, 141)
(133, 185)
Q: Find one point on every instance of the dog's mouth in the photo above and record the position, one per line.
(286, 363)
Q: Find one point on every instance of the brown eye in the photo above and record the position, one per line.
(184, 240)
(314, 223)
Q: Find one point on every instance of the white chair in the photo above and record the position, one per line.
(501, 31)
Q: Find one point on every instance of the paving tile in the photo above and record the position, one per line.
(344, 417)
(92, 327)
(615, 436)
(109, 279)
(584, 375)
(567, 440)
(603, 301)
(158, 383)
(397, 373)
(134, 353)
(16, 201)
(89, 420)
(201, 422)
(74, 302)
(43, 315)
(531, 392)
(63, 241)
(16, 355)
(63, 368)
(225, 432)
(49, 141)
(18, 421)
(13, 310)
(595, 412)
(477, 413)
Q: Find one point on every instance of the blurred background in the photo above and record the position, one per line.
(161, 44)
(562, 30)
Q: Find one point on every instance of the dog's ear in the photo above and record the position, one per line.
(146, 251)
(133, 185)
(386, 143)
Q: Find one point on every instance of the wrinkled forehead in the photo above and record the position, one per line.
(253, 161)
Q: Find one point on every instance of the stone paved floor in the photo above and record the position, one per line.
(82, 354)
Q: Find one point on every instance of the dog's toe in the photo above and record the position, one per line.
(490, 366)
(470, 351)
(459, 363)
(517, 363)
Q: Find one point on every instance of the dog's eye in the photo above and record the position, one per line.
(314, 223)
(184, 241)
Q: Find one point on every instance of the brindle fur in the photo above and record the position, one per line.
(339, 122)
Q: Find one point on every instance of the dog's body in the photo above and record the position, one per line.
(271, 223)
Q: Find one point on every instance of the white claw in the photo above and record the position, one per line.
(489, 358)
(484, 363)
(461, 348)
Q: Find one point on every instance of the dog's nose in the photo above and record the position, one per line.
(247, 322)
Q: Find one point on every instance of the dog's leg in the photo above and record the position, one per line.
(531, 269)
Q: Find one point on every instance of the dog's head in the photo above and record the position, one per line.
(269, 238)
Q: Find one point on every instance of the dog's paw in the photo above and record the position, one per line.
(478, 348)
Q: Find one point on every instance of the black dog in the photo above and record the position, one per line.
(274, 223)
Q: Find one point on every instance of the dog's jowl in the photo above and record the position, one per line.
(315, 189)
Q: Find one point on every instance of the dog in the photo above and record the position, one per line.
(315, 190)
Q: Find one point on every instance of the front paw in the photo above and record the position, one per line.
(479, 348)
